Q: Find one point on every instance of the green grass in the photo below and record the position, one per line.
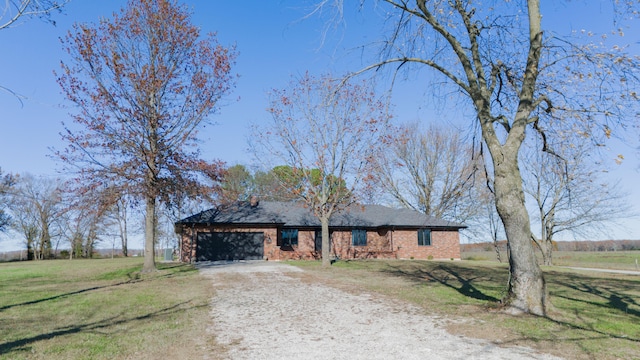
(620, 260)
(101, 309)
(624, 260)
(105, 309)
(595, 316)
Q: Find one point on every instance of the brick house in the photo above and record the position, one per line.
(273, 230)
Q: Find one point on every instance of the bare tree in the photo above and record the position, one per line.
(495, 227)
(144, 82)
(570, 195)
(83, 230)
(120, 214)
(7, 181)
(13, 11)
(37, 205)
(513, 76)
(326, 134)
(432, 171)
(91, 216)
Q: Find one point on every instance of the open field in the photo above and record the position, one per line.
(102, 309)
(620, 260)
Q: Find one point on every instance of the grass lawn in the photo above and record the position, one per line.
(106, 309)
(102, 309)
(595, 316)
(619, 260)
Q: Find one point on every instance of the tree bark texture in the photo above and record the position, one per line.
(326, 241)
(526, 287)
(149, 264)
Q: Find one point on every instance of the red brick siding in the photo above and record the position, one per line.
(401, 244)
(305, 249)
(378, 245)
(444, 245)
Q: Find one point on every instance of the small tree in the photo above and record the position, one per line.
(88, 217)
(569, 194)
(120, 214)
(326, 134)
(7, 181)
(37, 206)
(144, 83)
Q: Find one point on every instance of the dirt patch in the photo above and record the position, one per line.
(263, 310)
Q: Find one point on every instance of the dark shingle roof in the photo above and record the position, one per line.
(295, 214)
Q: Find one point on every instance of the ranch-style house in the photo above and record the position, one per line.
(271, 230)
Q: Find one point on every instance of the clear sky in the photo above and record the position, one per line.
(273, 41)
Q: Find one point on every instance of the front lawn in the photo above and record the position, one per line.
(102, 309)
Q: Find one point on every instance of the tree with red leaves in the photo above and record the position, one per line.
(143, 83)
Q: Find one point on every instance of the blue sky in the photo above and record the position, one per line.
(273, 42)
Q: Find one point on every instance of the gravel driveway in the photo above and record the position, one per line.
(261, 310)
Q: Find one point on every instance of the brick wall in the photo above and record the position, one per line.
(444, 245)
(386, 244)
(378, 246)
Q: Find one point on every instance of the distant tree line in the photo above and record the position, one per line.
(54, 219)
(48, 215)
(573, 245)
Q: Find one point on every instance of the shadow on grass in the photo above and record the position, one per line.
(16, 345)
(132, 279)
(60, 296)
(588, 294)
(173, 270)
(591, 298)
(176, 269)
(609, 291)
(457, 279)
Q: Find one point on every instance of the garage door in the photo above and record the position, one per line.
(230, 246)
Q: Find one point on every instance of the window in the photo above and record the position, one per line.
(424, 237)
(318, 241)
(289, 237)
(359, 237)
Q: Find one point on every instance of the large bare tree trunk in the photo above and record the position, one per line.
(326, 241)
(149, 236)
(526, 289)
